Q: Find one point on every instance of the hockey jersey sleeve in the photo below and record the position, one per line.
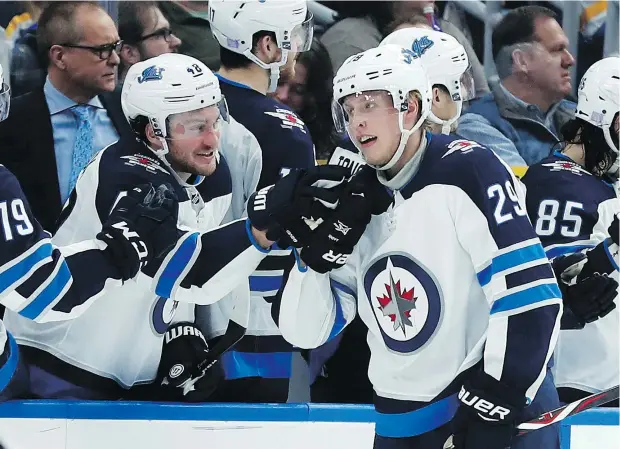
(572, 212)
(216, 262)
(316, 307)
(39, 280)
(512, 269)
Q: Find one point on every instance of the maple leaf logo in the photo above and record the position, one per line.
(397, 304)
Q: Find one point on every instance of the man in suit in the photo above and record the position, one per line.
(53, 132)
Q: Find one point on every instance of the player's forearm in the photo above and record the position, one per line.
(519, 346)
(308, 309)
(62, 288)
(228, 256)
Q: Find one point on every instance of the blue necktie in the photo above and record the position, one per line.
(83, 146)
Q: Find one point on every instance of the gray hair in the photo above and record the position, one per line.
(504, 61)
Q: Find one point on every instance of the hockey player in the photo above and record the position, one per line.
(572, 200)
(174, 104)
(257, 41)
(45, 283)
(448, 69)
(449, 73)
(448, 275)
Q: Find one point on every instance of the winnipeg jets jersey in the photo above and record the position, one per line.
(571, 211)
(285, 145)
(119, 338)
(451, 274)
(38, 280)
(244, 158)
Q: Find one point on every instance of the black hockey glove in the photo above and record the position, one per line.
(333, 241)
(488, 414)
(142, 226)
(184, 348)
(586, 299)
(288, 209)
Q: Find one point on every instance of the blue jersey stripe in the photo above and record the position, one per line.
(270, 365)
(13, 274)
(176, 266)
(49, 294)
(510, 260)
(568, 249)
(260, 284)
(528, 296)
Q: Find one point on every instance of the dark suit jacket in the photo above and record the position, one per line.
(27, 149)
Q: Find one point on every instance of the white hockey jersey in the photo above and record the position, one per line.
(450, 275)
(571, 211)
(120, 337)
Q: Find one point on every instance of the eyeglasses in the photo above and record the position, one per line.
(103, 51)
(166, 33)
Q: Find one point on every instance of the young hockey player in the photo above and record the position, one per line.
(459, 298)
(258, 40)
(43, 282)
(174, 104)
(572, 200)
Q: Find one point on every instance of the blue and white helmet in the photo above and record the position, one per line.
(392, 69)
(5, 97)
(168, 84)
(446, 64)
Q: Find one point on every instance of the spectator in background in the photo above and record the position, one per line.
(189, 21)
(309, 93)
(27, 69)
(366, 23)
(145, 33)
(54, 131)
(522, 117)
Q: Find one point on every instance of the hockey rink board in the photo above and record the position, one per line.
(131, 425)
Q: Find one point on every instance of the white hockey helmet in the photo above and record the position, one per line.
(446, 64)
(169, 84)
(392, 69)
(599, 99)
(5, 97)
(234, 24)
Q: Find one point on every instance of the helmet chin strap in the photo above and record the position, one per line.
(404, 138)
(446, 125)
(274, 68)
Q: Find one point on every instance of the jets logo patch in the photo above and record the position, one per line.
(288, 119)
(464, 146)
(138, 160)
(566, 165)
(405, 299)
